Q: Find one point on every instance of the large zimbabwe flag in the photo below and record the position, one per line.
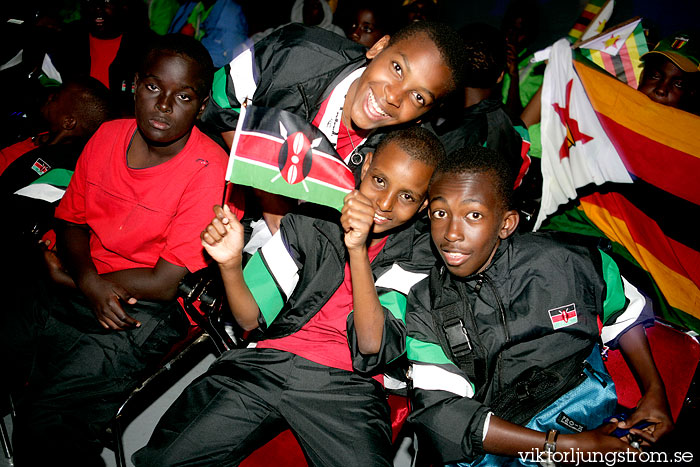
(592, 126)
(279, 152)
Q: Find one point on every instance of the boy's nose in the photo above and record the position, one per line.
(393, 95)
(163, 105)
(386, 203)
(454, 232)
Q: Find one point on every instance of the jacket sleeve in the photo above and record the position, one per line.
(272, 273)
(624, 306)
(393, 286)
(449, 423)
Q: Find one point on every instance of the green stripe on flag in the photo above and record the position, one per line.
(615, 292)
(55, 177)
(395, 302)
(218, 88)
(263, 287)
(246, 173)
(426, 352)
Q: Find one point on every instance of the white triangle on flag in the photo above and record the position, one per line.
(611, 41)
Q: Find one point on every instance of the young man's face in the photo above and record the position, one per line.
(167, 103)
(467, 221)
(665, 83)
(363, 29)
(401, 83)
(396, 185)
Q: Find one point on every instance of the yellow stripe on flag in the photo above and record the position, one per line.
(632, 109)
(680, 291)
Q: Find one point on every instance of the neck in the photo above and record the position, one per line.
(473, 96)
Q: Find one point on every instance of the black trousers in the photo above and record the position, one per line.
(249, 396)
(69, 375)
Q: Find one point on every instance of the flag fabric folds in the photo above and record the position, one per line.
(279, 152)
(618, 51)
(593, 128)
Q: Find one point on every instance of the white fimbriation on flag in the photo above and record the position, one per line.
(575, 149)
(598, 23)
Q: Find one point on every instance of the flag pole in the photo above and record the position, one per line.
(239, 125)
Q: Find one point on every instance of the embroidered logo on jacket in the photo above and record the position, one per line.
(563, 316)
(41, 167)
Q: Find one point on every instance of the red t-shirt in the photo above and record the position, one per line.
(137, 216)
(324, 339)
(102, 54)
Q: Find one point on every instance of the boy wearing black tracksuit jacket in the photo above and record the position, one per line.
(502, 336)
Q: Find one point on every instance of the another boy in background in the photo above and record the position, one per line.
(482, 119)
(502, 337)
(71, 116)
(671, 74)
(326, 325)
(128, 235)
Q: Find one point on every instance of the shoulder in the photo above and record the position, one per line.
(553, 248)
(206, 152)
(295, 37)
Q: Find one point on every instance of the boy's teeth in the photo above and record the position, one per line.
(374, 105)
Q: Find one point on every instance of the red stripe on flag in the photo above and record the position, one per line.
(608, 64)
(645, 232)
(627, 64)
(662, 166)
(324, 168)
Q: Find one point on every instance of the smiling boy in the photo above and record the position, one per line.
(502, 338)
(325, 324)
(128, 233)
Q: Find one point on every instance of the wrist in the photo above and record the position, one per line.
(233, 265)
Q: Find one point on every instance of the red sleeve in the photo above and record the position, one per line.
(72, 205)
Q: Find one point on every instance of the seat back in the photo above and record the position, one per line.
(676, 355)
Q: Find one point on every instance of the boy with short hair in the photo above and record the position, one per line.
(326, 324)
(129, 221)
(671, 74)
(340, 87)
(502, 337)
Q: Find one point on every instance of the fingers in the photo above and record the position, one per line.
(357, 212)
(113, 316)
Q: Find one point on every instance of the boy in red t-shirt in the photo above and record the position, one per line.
(130, 219)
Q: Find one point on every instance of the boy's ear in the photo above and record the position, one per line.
(500, 77)
(511, 219)
(201, 107)
(377, 47)
(424, 204)
(69, 122)
(366, 164)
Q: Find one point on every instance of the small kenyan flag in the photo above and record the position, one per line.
(279, 152)
(40, 166)
(563, 316)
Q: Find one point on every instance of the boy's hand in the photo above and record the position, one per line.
(357, 219)
(598, 440)
(653, 407)
(223, 238)
(106, 297)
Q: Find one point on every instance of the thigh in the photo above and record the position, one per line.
(221, 417)
(339, 417)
